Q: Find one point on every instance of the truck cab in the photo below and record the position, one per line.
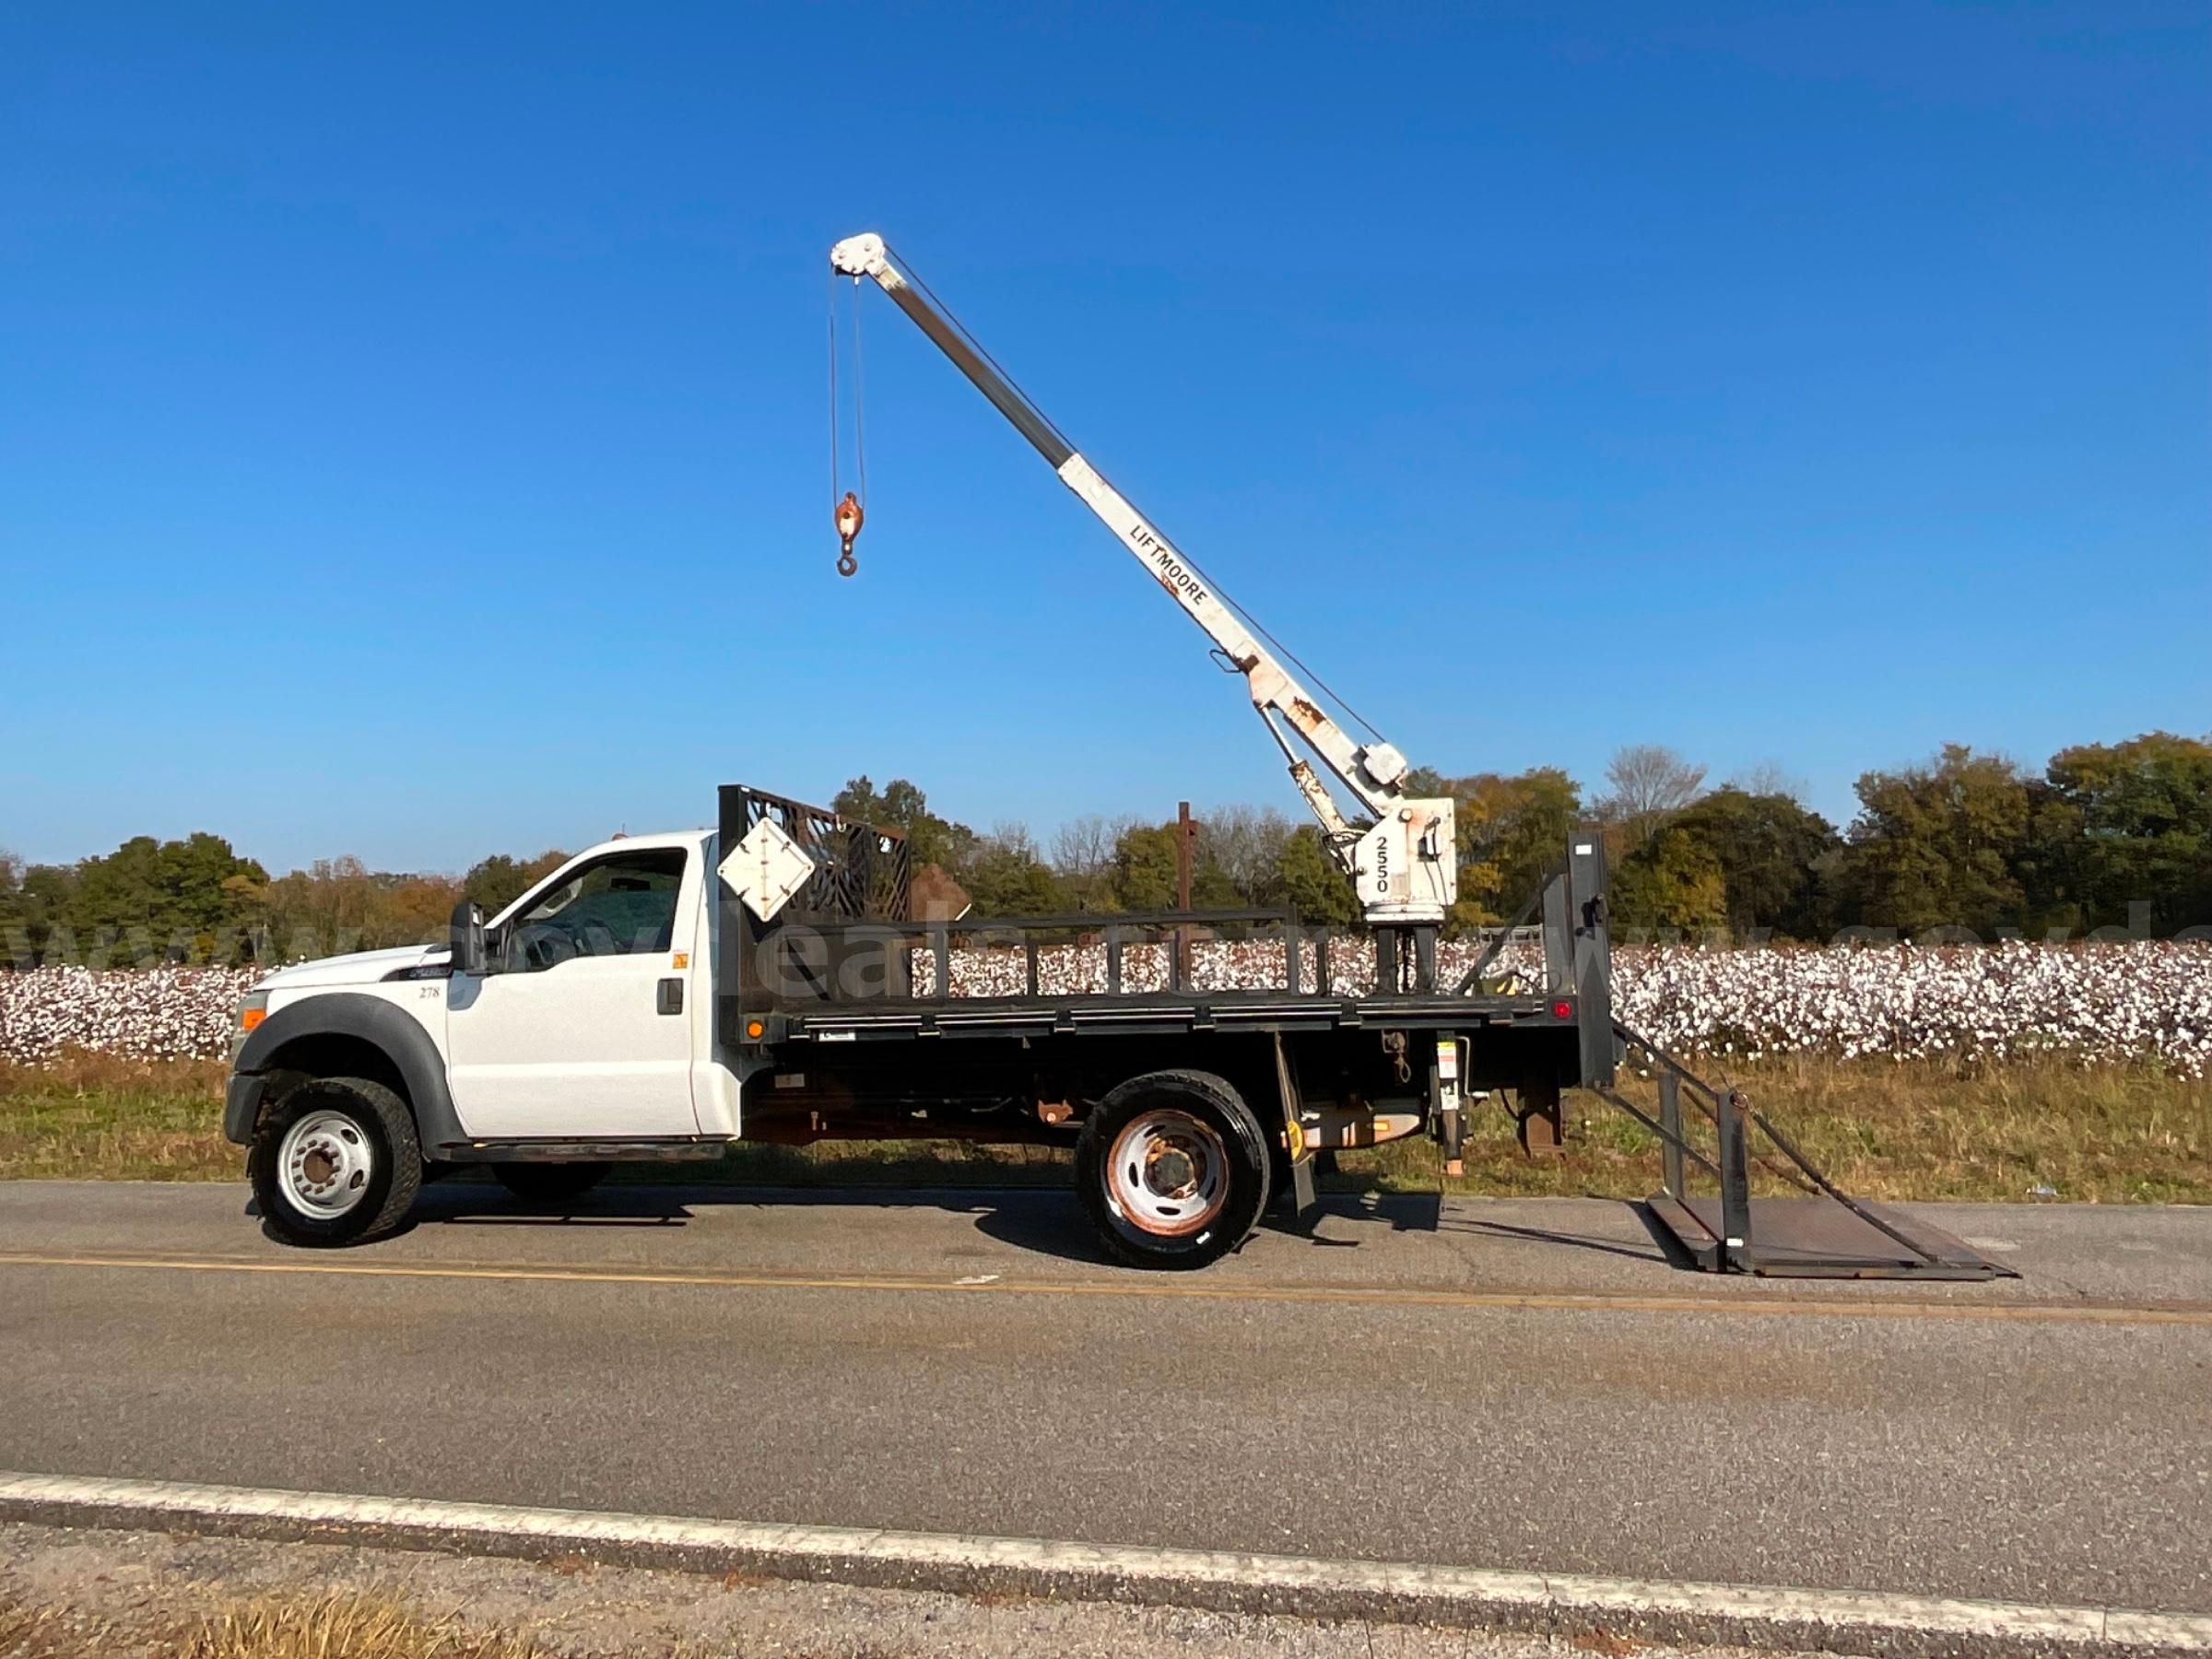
(587, 1028)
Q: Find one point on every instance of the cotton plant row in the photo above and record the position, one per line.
(2101, 1002)
(2139, 1000)
(2135, 1001)
(1216, 965)
(141, 1014)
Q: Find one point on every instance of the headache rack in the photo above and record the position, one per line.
(861, 871)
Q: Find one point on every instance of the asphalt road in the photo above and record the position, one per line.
(1499, 1384)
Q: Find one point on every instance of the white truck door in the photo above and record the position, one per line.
(579, 1030)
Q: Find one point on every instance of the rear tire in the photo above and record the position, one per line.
(1173, 1169)
(551, 1182)
(336, 1161)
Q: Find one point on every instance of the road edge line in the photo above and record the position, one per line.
(1845, 1621)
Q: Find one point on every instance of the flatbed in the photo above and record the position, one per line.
(771, 979)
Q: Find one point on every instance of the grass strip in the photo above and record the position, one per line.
(1881, 1129)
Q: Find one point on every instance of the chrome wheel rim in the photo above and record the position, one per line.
(1168, 1173)
(325, 1162)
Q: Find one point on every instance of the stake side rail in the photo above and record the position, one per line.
(1162, 1015)
(842, 961)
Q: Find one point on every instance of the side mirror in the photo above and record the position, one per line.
(466, 934)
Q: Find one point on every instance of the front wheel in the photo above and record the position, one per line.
(336, 1161)
(1173, 1168)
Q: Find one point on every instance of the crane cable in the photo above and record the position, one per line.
(849, 510)
(1251, 621)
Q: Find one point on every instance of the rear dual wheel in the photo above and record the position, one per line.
(1173, 1169)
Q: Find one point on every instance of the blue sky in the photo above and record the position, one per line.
(413, 442)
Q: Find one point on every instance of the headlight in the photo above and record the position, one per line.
(252, 1008)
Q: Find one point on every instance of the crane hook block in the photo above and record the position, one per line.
(849, 520)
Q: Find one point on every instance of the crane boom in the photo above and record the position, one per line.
(1403, 864)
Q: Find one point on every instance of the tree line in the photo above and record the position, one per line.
(2111, 836)
(2106, 837)
(2103, 836)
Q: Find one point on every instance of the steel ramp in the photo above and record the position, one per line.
(1824, 1234)
(1817, 1238)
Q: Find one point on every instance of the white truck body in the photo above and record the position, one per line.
(578, 1049)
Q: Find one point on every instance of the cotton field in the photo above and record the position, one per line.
(2104, 1002)
(2095, 1002)
(147, 1014)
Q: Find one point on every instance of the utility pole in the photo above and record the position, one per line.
(1186, 838)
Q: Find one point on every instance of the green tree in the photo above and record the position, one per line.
(492, 884)
(44, 901)
(1672, 883)
(1936, 845)
(1143, 868)
(1145, 874)
(1768, 850)
(903, 805)
(860, 801)
(1005, 876)
(2126, 824)
(209, 888)
(338, 904)
(1306, 879)
(170, 898)
(16, 945)
(119, 892)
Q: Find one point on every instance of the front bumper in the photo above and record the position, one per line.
(241, 1106)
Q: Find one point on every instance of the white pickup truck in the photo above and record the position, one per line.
(662, 996)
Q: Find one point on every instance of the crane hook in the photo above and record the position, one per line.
(849, 519)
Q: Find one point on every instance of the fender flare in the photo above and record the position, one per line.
(345, 1014)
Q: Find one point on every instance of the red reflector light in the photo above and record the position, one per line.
(1562, 1010)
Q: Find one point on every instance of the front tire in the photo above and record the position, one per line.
(336, 1161)
(1173, 1168)
(551, 1182)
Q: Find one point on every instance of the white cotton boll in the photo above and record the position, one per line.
(2093, 1003)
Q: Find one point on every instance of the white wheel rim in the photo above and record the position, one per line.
(325, 1163)
(1169, 1173)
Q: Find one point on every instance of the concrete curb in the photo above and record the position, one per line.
(1840, 1621)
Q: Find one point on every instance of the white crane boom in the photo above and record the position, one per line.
(1404, 865)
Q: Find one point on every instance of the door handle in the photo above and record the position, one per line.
(668, 996)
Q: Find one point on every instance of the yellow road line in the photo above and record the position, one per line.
(1874, 1307)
